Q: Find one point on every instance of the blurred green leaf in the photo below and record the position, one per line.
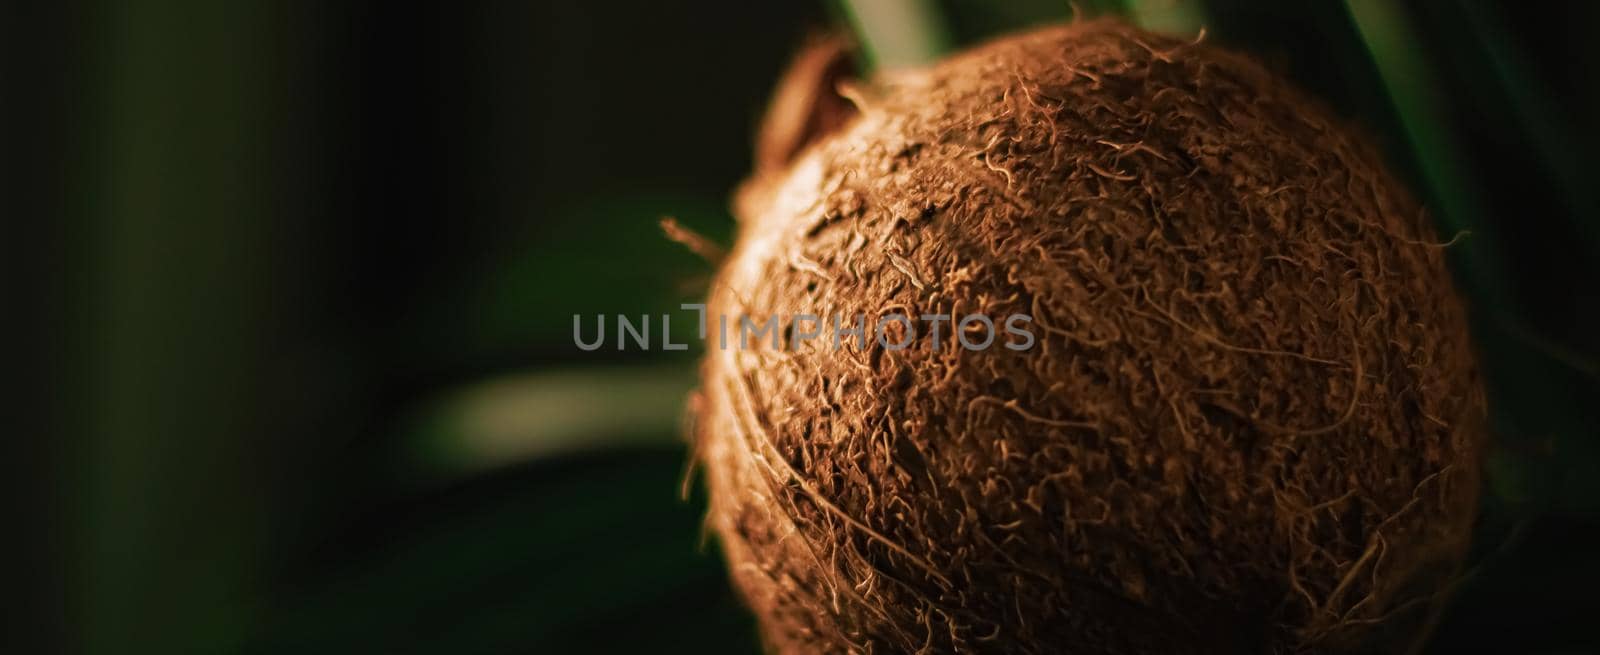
(591, 554)
(541, 414)
(898, 33)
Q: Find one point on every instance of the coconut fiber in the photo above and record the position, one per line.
(1250, 421)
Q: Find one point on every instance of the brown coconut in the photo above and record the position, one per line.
(1251, 421)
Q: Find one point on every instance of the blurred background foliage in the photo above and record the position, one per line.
(297, 279)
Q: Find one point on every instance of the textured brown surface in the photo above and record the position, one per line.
(1251, 421)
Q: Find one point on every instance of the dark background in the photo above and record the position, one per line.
(294, 283)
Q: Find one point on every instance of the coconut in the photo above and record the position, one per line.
(1247, 418)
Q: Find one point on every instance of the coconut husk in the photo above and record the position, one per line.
(1250, 422)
